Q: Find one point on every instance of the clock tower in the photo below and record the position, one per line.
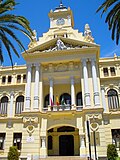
(61, 17)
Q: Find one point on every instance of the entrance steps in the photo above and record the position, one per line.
(63, 158)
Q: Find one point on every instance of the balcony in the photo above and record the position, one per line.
(59, 108)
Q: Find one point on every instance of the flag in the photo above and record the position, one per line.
(51, 102)
(57, 101)
(63, 101)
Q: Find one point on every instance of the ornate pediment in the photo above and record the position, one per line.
(61, 43)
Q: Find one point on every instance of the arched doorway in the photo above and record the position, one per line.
(63, 141)
(66, 145)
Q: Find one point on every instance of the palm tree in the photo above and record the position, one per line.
(9, 24)
(113, 17)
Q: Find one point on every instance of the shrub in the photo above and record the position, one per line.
(13, 153)
(111, 152)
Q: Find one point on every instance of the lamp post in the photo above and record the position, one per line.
(88, 131)
(94, 128)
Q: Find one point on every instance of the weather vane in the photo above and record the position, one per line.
(60, 1)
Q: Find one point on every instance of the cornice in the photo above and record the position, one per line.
(39, 54)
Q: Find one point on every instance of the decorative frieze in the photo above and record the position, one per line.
(30, 120)
(61, 67)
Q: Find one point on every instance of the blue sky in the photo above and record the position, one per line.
(84, 11)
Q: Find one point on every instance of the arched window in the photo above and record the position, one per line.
(4, 105)
(79, 100)
(65, 99)
(19, 104)
(113, 102)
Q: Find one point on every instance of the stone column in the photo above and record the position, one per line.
(28, 88)
(82, 146)
(36, 86)
(51, 92)
(86, 84)
(72, 91)
(95, 83)
(103, 98)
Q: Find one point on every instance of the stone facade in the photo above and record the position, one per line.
(46, 105)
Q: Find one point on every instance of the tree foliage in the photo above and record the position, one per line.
(13, 153)
(112, 7)
(9, 24)
(111, 152)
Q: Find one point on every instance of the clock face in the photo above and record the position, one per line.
(60, 21)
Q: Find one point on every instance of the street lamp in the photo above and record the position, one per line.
(94, 127)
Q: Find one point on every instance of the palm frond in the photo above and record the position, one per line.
(6, 44)
(9, 24)
(112, 18)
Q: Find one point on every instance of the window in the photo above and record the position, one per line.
(79, 100)
(65, 99)
(113, 102)
(3, 79)
(4, 105)
(50, 143)
(18, 78)
(116, 137)
(112, 70)
(9, 79)
(105, 71)
(24, 78)
(19, 104)
(2, 140)
(17, 139)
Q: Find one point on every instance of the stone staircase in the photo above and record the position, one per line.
(63, 158)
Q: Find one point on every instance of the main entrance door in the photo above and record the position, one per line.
(66, 145)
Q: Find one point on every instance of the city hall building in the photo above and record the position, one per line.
(65, 100)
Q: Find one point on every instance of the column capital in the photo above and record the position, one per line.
(29, 65)
(72, 79)
(37, 64)
(12, 93)
(51, 79)
(84, 59)
(92, 59)
(102, 87)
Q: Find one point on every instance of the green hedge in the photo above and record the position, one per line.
(111, 152)
(13, 153)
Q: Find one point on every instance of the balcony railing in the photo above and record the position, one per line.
(19, 107)
(3, 108)
(62, 108)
